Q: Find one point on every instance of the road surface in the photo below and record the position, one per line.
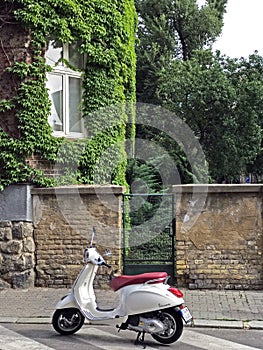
(90, 337)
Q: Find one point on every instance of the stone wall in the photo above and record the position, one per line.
(220, 241)
(219, 238)
(17, 258)
(17, 247)
(63, 221)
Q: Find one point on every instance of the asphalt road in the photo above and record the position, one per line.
(90, 337)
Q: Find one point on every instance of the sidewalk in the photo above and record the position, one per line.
(210, 308)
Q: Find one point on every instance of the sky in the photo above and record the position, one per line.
(243, 28)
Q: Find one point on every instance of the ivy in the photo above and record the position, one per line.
(6, 105)
(106, 31)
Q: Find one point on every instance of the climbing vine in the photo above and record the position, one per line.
(106, 31)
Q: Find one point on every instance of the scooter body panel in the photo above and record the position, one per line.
(142, 298)
(68, 301)
(85, 296)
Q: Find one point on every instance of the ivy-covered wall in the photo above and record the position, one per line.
(106, 30)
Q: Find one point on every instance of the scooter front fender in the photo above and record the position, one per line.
(67, 301)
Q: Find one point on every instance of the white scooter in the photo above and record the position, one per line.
(147, 303)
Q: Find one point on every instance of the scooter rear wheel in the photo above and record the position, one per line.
(67, 321)
(174, 327)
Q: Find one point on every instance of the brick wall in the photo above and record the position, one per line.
(48, 167)
(223, 246)
(14, 47)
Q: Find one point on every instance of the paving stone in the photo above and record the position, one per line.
(225, 307)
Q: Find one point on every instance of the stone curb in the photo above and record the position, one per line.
(25, 320)
(198, 323)
(229, 324)
(218, 324)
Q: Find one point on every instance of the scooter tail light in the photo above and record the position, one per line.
(176, 292)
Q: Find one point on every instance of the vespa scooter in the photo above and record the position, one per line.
(147, 303)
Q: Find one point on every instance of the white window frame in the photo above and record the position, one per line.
(65, 72)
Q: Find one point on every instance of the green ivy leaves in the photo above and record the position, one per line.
(106, 31)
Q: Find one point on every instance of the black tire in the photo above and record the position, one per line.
(67, 321)
(174, 327)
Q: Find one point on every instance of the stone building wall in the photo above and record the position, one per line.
(223, 246)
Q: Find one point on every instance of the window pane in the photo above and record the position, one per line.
(75, 124)
(54, 53)
(54, 84)
(75, 58)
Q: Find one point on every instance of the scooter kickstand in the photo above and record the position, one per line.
(140, 339)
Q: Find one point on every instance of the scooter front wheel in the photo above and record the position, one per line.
(67, 321)
(173, 327)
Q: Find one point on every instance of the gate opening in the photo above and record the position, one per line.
(149, 234)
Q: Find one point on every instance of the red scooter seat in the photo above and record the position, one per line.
(125, 280)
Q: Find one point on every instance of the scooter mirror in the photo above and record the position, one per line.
(92, 236)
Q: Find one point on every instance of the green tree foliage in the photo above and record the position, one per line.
(106, 31)
(168, 30)
(221, 100)
(218, 97)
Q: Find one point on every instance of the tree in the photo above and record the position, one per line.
(218, 97)
(255, 168)
(171, 29)
(221, 100)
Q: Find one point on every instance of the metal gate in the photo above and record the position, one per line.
(149, 234)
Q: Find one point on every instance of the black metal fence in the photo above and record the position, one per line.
(149, 233)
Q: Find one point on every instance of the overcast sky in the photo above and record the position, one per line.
(243, 28)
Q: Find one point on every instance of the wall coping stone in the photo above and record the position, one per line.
(218, 188)
(80, 189)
